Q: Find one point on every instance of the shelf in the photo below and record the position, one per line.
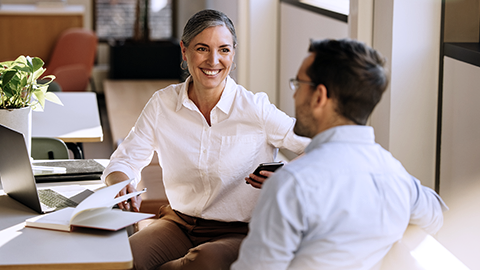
(465, 52)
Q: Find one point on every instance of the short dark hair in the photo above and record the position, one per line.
(353, 74)
(204, 19)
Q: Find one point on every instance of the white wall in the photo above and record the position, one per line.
(297, 27)
(408, 33)
(460, 157)
(257, 31)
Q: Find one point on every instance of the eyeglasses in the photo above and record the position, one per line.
(295, 84)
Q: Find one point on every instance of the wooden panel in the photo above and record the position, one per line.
(33, 35)
(462, 21)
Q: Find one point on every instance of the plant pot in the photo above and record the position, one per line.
(19, 120)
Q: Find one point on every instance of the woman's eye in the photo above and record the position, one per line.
(201, 49)
(225, 50)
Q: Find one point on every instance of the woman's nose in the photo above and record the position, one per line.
(213, 58)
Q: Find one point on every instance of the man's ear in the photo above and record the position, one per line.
(319, 97)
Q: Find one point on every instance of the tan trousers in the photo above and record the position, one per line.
(178, 241)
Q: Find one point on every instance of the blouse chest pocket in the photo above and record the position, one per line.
(237, 154)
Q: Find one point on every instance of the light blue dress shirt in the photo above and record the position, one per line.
(340, 206)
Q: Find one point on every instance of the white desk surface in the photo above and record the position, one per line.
(78, 120)
(30, 248)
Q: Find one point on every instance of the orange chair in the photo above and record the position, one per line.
(73, 58)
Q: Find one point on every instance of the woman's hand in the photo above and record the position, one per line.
(257, 181)
(133, 204)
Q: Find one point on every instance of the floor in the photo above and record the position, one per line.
(100, 150)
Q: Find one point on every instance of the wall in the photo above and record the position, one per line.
(408, 34)
(257, 31)
(297, 27)
(460, 173)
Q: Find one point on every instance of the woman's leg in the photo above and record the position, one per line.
(217, 254)
(160, 242)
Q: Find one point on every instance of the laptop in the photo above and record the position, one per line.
(18, 181)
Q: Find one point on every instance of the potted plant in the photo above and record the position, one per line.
(20, 92)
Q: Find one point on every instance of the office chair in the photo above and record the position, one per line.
(49, 148)
(72, 59)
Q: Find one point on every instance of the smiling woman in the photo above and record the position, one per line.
(209, 134)
(209, 58)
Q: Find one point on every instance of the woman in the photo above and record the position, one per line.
(209, 133)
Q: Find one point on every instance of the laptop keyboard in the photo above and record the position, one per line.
(54, 199)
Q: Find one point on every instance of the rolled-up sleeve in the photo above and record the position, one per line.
(136, 151)
(427, 208)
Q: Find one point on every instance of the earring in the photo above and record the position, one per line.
(184, 67)
(234, 66)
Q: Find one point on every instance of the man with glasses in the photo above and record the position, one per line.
(346, 201)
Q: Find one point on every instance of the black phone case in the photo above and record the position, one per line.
(273, 166)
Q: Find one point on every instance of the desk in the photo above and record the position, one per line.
(29, 248)
(78, 120)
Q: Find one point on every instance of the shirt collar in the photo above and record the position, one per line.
(224, 104)
(345, 134)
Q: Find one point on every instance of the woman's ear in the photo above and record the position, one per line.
(184, 50)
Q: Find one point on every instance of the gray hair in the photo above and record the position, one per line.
(203, 20)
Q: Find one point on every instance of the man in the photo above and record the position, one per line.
(347, 200)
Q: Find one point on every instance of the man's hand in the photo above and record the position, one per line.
(257, 181)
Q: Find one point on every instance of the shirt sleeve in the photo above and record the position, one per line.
(136, 151)
(276, 227)
(427, 208)
(279, 126)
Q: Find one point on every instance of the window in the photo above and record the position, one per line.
(335, 9)
(115, 19)
(338, 6)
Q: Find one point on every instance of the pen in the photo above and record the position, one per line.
(139, 192)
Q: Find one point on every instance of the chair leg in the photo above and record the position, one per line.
(76, 149)
(92, 85)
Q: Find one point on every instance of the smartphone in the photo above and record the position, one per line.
(270, 166)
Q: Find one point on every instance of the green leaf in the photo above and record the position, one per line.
(37, 63)
(19, 86)
(38, 73)
(50, 96)
(9, 92)
(40, 96)
(7, 77)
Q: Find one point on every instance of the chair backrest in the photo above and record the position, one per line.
(49, 148)
(72, 59)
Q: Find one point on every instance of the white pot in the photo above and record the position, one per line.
(19, 120)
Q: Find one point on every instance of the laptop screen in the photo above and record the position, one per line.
(16, 170)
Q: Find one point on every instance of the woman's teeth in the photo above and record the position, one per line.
(211, 72)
